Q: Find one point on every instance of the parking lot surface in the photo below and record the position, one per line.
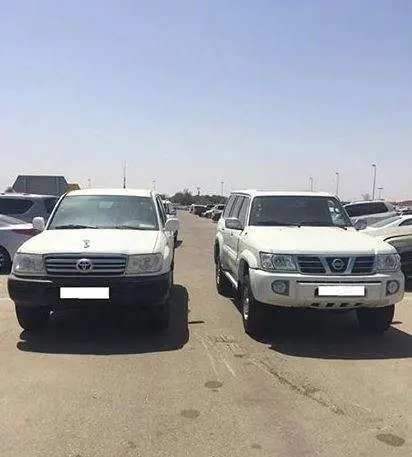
(97, 383)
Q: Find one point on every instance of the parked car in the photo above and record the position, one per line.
(13, 233)
(199, 209)
(216, 216)
(401, 239)
(27, 206)
(99, 246)
(300, 250)
(217, 209)
(395, 221)
(365, 213)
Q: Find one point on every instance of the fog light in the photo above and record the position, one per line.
(280, 287)
(392, 287)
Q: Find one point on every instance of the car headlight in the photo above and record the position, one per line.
(144, 263)
(28, 264)
(277, 262)
(388, 262)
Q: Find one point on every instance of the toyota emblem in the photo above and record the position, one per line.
(84, 265)
(338, 264)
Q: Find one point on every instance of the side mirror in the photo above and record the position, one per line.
(38, 223)
(172, 225)
(360, 225)
(233, 223)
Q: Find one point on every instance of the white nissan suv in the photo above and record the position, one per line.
(99, 246)
(301, 250)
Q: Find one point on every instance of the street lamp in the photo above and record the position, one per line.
(222, 184)
(154, 184)
(337, 183)
(311, 183)
(380, 192)
(374, 181)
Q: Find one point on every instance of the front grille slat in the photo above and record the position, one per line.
(316, 265)
(65, 265)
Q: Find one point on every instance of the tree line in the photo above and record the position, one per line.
(185, 198)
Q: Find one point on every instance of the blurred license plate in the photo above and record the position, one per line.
(85, 293)
(341, 291)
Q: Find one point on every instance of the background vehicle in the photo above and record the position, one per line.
(42, 185)
(13, 233)
(27, 206)
(171, 212)
(395, 221)
(300, 250)
(401, 239)
(104, 246)
(370, 212)
(199, 209)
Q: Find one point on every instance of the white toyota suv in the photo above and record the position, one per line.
(301, 250)
(99, 246)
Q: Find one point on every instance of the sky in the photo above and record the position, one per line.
(257, 94)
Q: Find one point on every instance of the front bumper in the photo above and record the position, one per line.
(303, 290)
(124, 291)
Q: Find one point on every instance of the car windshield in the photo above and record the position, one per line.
(7, 220)
(105, 212)
(298, 211)
(386, 222)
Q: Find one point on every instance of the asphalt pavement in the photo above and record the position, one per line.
(97, 383)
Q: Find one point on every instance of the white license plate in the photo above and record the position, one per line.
(85, 293)
(341, 291)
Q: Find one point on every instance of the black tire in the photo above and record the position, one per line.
(251, 309)
(175, 239)
(159, 317)
(376, 320)
(5, 262)
(223, 285)
(33, 317)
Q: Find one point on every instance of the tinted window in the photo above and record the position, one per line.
(162, 211)
(364, 209)
(106, 211)
(243, 210)
(229, 205)
(14, 206)
(407, 222)
(297, 210)
(236, 206)
(50, 203)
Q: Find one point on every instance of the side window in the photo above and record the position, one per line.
(14, 206)
(229, 205)
(234, 212)
(407, 222)
(161, 209)
(243, 210)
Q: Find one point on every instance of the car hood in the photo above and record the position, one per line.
(111, 241)
(315, 240)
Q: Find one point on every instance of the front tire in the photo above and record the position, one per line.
(33, 317)
(376, 320)
(252, 310)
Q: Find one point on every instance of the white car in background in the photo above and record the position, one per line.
(391, 222)
(13, 233)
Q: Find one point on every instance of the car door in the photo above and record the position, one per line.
(233, 236)
(163, 219)
(224, 232)
(236, 236)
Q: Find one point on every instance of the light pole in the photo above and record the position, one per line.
(89, 181)
(374, 181)
(154, 184)
(380, 192)
(337, 183)
(222, 184)
(311, 183)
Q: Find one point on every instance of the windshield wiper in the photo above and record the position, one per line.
(74, 226)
